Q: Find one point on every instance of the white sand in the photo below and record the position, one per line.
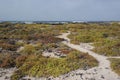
(87, 46)
(5, 74)
(117, 57)
(20, 49)
(50, 54)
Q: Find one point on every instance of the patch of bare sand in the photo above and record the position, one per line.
(5, 74)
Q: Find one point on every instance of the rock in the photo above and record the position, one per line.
(0, 75)
(92, 79)
(6, 77)
(106, 68)
(29, 79)
(0, 49)
(3, 73)
(102, 77)
(95, 70)
(49, 79)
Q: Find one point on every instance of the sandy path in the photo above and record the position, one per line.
(103, 71)
(115, 57)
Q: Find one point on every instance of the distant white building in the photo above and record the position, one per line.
(29, 22)
(78, 21)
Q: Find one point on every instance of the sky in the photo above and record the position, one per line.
(60, 10)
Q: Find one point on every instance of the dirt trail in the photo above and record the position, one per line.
(114, 57)
(102, 72)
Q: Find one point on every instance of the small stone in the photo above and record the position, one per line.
(95, 70)
(92, 79)
(106, 68)
(49, 79)
(6, 77)
(29, 79)
(102, 76)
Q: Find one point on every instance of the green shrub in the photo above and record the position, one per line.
(28, 49)
(17, 75)
(115, 65)
(39, 66)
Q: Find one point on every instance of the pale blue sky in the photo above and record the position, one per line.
(47, 10)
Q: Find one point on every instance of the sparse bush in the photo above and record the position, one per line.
(7, 62)
(28, 49)
(39, 66)
(20, 60)
(17, 75)
(115, 65)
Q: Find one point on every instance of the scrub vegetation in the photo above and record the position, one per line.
(22, 45)
(105, 36)
(115, 65)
